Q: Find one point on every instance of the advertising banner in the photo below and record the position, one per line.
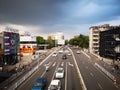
(11, 45)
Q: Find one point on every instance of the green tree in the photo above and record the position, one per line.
(51, 42)
(66, 42)
(81, 41)
(40, 40)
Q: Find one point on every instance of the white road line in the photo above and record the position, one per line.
(91, 74)
(62, 64)
(82, 83)
(70, 64)
(54, 64)
(66, 78)
(54, 72)
(100, 86)
(86, 54)
(48, 64)
(43, 74)
(21, 85)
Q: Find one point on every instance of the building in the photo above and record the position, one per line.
(28, 44)
(59, 38)
(9, 46)
(110, 43)
(95, 36)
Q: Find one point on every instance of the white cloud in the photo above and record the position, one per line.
(23, 28)
(114, 22)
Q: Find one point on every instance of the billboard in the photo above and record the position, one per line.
(11, 43)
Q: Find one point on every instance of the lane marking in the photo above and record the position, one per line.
(66, 78)
(70, 64)
(100, 86)
(48, 64)
(91, 74)
(43, 74)
(54, 73)
(26, 80)
(62, 64)
(54, 64)
(82, 83)
(86, 54)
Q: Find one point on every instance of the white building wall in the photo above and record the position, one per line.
(59, 36)
(27, 38)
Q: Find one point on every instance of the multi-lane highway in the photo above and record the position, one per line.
(93, 78)
(70, 80)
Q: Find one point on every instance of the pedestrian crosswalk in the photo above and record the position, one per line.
(61, 64)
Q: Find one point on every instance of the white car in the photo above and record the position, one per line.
(78, 52)
(54, 54)
(55, 85)
(61, 51)
(59, 72)
(69, 54)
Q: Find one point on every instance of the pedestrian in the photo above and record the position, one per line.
(113, 69)
(116, 67)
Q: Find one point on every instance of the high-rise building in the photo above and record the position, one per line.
(94, 37)
(110, 43)
(58, 37)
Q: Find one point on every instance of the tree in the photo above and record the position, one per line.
(66, 42)
(81, 41)
(51, 42)
(40, 40)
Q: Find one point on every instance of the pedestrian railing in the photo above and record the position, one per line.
(105, 71)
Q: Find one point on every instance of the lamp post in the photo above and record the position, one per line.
(55, 41)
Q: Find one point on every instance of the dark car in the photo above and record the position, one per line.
(64, 56)
(39, 84)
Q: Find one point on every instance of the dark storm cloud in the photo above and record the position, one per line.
(49, 16)
(30, 11)
(48, 12)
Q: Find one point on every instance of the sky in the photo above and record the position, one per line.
(44, 17)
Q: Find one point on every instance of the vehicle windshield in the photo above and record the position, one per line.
(60, 70)
(38, 84)
(53, 87)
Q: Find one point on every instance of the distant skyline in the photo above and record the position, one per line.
(72, 17)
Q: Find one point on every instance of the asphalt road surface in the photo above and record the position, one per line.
(93, 78)
(70, 81)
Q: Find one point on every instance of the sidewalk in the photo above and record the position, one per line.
(109, 68)
(108, 65)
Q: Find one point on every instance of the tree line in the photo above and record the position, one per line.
(81, 41)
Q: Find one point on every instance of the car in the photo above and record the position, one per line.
(54, 54)
(78, 52)
(55, 85)
(46, 67)
(64, 56)
(39, 84)
(61, 51)
(69, 54)
(59, 72)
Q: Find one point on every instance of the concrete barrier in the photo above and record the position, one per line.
(112, 77)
